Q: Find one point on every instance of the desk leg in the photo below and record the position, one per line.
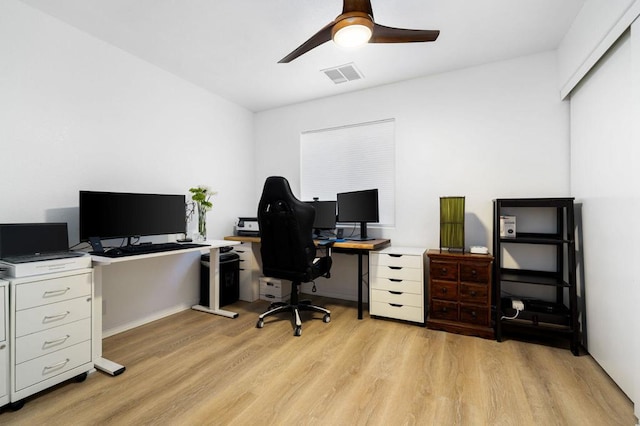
(99, 362)
(214, 288)
(360, 285)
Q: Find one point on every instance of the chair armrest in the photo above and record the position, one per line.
(326, 246)
(325, 243)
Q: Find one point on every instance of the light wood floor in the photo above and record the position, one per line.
(194, 368)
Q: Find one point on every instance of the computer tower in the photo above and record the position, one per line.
(229, 278)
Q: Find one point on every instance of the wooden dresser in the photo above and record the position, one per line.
(460, 293)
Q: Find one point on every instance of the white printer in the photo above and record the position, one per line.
(247, 226)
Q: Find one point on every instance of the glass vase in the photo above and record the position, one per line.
(202, 223)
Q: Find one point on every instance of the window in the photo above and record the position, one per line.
(350, 158)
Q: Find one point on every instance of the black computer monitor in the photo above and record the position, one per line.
(360, 207)
(124, 215)
(325, 217)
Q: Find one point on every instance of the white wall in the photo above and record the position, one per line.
(604, 178)
(593, 32)
(492, 131)
(77, 113)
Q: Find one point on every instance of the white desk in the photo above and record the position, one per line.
(100, 262)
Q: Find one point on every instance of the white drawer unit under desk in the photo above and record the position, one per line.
(396, 285)
(51, 330)
(4, 343)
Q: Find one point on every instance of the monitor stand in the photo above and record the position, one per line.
(359, 238)
(363, 234)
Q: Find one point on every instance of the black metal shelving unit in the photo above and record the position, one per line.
(559, 317)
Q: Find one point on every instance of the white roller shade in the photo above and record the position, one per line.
(350, 158)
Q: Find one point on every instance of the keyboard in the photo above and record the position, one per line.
(148, 248)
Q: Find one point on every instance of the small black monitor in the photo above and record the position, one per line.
(325, 217)
(360, 207)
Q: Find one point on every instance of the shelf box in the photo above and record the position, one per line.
(507, 226)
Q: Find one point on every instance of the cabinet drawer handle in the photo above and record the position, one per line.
(395, 255)
(58, 365)
(2, 346)
(241, 260)
(56, 317)
(395, 268)
(395, 280)
(395, 292)
(55, 342)
(395, 305)
(52, 293)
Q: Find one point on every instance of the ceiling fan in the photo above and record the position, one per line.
(355, 26)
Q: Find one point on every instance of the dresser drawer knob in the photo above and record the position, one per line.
(473, 314)
(443, 290)
(445, 310)
(473, 293)
(474, 272)
(443, 271)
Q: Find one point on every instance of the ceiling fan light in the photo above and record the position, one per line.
(352, 32)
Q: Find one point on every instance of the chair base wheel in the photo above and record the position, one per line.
(260, 323)
(326, 318)
(297, 331)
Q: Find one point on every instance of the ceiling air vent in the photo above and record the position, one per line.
(343, 73)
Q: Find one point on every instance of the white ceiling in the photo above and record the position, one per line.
(231, 47)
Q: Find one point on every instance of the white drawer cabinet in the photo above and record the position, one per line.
(396, 286)
(51, 330)
(4, 343)
(249, 272)
(274, 290)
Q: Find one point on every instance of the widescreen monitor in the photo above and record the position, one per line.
(125, 215)
(359, 207)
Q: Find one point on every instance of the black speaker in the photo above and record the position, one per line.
(96, 244)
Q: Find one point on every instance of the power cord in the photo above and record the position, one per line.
(518, 306)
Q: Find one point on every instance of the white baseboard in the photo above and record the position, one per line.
(141, 321)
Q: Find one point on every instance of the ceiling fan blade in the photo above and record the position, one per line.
(316, 40)
(382, 34)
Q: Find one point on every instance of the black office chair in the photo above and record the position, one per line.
(287, 247)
